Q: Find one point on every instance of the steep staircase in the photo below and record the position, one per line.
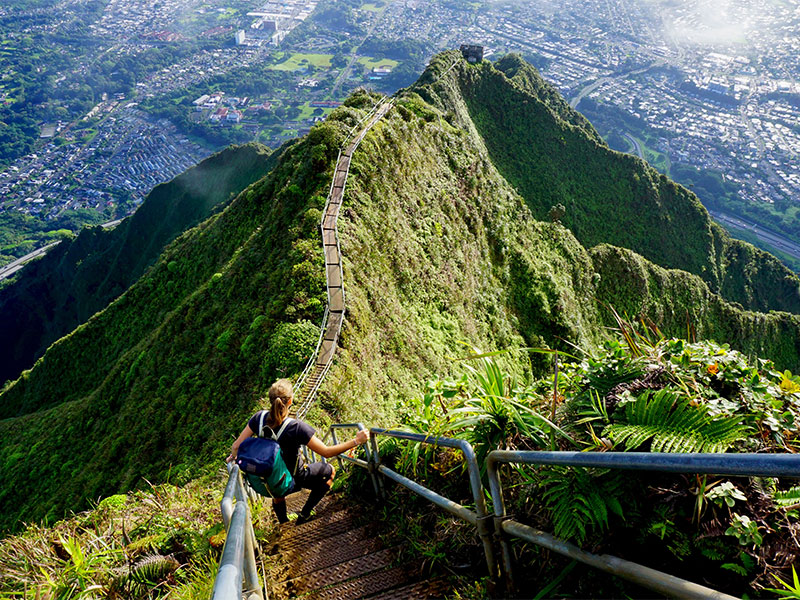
(309, 382)
(339, 554)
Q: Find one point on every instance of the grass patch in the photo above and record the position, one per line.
(298, 61)
(372, 63)
(371, 7)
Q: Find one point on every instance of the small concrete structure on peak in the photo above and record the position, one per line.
(472, 54)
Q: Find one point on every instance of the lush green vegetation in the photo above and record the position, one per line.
(179, 359)
(638, 392)
(608, 197)
(438, 249)
(165, 540)
(52, 296)
(716, 193)
(21, 234)
(682, 304)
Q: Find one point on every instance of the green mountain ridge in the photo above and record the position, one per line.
(610, 197)
(439, 249)
(53, 295)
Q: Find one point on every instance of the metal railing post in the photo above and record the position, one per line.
(499, 506)
(479, 517)
(368, 464)
(480, 507)
(335, 441)
(376, 462)
(752, 465)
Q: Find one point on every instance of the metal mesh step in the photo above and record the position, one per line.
(435, 588)
(318, 523)
(368, 585)
(295, 502)
(320, 531)
(333, 550)
(341, 572)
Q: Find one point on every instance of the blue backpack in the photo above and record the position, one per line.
(262, 463)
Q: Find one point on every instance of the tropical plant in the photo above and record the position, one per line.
(580, 500)
(745, 530)
(498, 413)
(725, 493)
(672, 423)
(788, 499)
(790, 590)
(81, 571)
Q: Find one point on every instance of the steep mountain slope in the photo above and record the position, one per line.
(553, 156)
(438, 249)
(52, 296)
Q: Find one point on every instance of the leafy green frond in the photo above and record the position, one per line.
(580, 501)
(672, 424)
(785, 498)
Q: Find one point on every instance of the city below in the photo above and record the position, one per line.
(706, 92)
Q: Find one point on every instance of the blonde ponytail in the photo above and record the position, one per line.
(280, 394)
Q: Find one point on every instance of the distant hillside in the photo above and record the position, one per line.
(438, 249)
(553, 156)
(53, 295)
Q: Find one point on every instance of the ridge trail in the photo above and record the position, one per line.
(319, 363)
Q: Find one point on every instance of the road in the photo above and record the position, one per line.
(16, 265)
(636, 145)
(587, 90)
(595, 84)
(781, 243)
(13, 267)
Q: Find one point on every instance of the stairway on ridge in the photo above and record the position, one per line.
(339, 554)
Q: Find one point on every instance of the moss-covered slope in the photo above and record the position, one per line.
(53, 295)
(438, 249)
(552, 156)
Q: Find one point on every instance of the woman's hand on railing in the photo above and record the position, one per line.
(362, 436)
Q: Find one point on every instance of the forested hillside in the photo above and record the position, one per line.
(439, 248)
(556, 161)
(55, 294)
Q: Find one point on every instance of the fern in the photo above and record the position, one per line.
(146, 572)
(153, 568)
(672, 424)
(580, 501)
(787, 498)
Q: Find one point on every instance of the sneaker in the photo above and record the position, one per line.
(301, 518)
(289, 518)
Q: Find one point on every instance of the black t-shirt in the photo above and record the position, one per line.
(295, 434)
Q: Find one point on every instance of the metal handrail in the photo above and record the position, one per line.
(753, 465)
(238, 563)
(368, 464)
(479, 517)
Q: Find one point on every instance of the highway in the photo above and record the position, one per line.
(781, 243)
(16, 265)
(12, 267)
(636, 145)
